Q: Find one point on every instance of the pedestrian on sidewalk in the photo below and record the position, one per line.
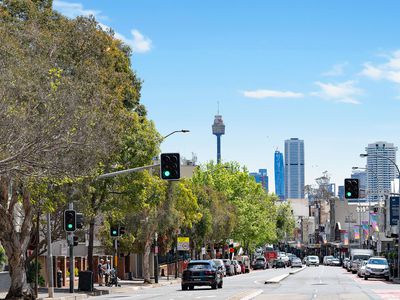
(107, 270)
(100, 272)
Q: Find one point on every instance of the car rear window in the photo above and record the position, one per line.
(198, 266)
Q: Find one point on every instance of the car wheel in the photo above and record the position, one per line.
(214, 286)
(387, 278)
(365, 277)
(191, 287)
(184, 287)
(220, 285)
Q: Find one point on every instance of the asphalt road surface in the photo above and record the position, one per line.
(321, 282)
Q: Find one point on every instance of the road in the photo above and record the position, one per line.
(312, 283)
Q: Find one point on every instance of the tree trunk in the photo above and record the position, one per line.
(16, 224)
(19, 288)
(212, 250)
(146, 260)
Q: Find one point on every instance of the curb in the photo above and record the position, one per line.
(294, 272)
(277, 279)
(74, 297)
(282, 277)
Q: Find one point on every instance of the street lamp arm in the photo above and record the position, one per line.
(381, 156)
(183, 131)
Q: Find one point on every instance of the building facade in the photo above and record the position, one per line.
(261, 177)
(279, 175)
(380, 171)
(294, 169)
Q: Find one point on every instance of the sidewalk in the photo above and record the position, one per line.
(127, 286)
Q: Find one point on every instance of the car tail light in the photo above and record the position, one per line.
(209, 273)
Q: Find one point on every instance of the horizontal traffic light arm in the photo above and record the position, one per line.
(113, 174)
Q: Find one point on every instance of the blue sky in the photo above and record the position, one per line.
(327, 72)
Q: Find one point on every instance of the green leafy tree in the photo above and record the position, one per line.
(65, 99)
(285, 222)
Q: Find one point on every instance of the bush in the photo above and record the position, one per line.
(31, 274)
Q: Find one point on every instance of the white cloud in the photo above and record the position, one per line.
(336, 70)
(262, 94)
(389, 71)
(72, 10)
(139, 43)
(344, 92)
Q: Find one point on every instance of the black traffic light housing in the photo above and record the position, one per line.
(114, 231)
(79, 220)
(121, 230)
(351, 188)
(170, 166)
(76, 240)
(69, 220)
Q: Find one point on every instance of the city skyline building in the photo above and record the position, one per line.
(380, 171)
(261, 177)
(294, 169)
(341, 192)
(218, 129)
(279, 173)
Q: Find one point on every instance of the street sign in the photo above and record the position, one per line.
(183, 243)
(394, 210)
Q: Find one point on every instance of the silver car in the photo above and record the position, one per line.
(361, 269)
(296, 262)
(377, 267)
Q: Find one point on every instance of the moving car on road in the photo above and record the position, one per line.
(334, 262)
(312, 260)
(200, 273)
(296, 262)
(278, 263)
(377, 267)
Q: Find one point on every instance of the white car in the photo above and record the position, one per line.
(377, 267)
(312, 260)
(361, 269)
(238, 268)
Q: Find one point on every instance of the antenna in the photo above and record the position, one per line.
(218, 107)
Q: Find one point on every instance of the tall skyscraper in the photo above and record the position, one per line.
(380, 171)
(261, 177)
(279, 175)
(341, 192)
(218, 129)
(294, 169)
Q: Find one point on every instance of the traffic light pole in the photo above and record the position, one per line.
(127, 171)
(49, 258)
(71, 256)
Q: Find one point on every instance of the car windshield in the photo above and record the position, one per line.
(198, 266)
(377, 261)
(313, 257)
(361, 257)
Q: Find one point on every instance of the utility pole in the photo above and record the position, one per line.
(49, 258)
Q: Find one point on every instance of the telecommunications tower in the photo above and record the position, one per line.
(218, 129)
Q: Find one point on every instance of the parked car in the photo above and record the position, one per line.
(312, 260)
(361, 269)
(200, 273)
(377, 267)
(238, 268)
(334, 262)
(354, 265)
(278, 263)
(245, 260)
(296, 262)
(242, 267)
(220, 264)
(260, 263)
(230, 269)
(327, 259)
(345, 262)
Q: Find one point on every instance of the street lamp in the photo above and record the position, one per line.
(398, 221)
(182, 130)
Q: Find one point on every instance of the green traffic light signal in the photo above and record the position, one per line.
(114, 232)
(167, 173)
(70, 226)
(348, 194)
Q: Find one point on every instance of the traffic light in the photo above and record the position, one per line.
(121, 230)
(76, 238)
(69, 220)
(79, 220)
(114, 231)
(170, 166)
(351, 189)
